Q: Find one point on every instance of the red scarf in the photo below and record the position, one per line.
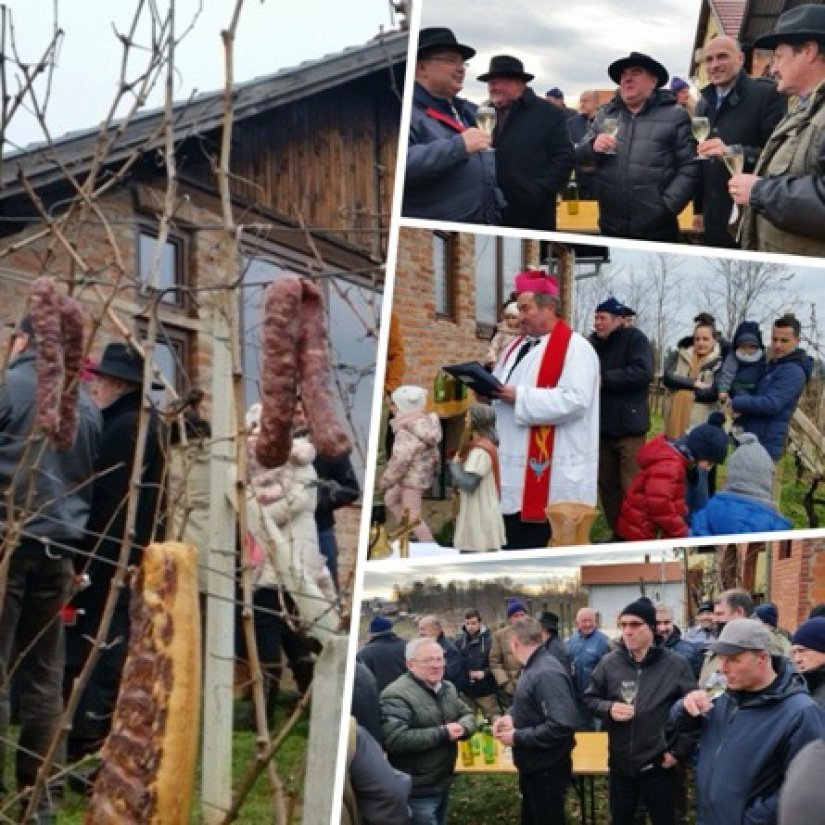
(540, 438)
(446, 119)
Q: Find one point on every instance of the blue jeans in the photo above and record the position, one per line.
(429, 810)
(329, 550)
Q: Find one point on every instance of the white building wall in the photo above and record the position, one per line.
(608, 599)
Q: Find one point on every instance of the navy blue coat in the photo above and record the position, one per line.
(443, 182)
(685, 649)
(767, 411)
(746, 744)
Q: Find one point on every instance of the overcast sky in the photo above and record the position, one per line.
(271, 36)
(568, 45)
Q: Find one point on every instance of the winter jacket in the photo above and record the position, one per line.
(727, 514)
(654, 506)
(626, 368)
(544, 714)
(787, 206)
(287, 494)
(503, 663)
(653, 175)
(50, 490)
(366, 707)
(413, 719)
(585, 653)
(415, 456)
(339, 488)
(746, 743)
(500, 342)
(442, 181)
(475, 655)
(748, 114)
(555, 647)
(685, 649)
(802, 798)
(534, 157)
(735, 376)
(767, 411)
(452, 660)
(676, 377)
(815, 680)
(385, 656)
(661, 678)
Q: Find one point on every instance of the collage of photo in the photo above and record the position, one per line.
(422, 426)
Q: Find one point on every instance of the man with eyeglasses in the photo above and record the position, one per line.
(633, 689)
(422, 718)
(449, 174)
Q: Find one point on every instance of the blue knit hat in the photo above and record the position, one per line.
(811, 634)
(380, 624)
(767, 614)
(515, 606)
(612, 306)
(709, 442)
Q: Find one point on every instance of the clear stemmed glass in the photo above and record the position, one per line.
(610, 126)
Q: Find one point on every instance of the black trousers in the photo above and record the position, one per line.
(656, 787)
(543, 793)
(525, 535)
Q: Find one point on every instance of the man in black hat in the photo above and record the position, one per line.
(119, 394)
(646, 174)
(785, 195)
(549, 623)
(534, 154)
(742, 112)
(626, 369)
(45, 494)
(632, 689)
(449, 175)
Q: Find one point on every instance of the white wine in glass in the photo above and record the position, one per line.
(486, 118)
(628, 691)
(735, 161)
(610, 126)
(700, 126)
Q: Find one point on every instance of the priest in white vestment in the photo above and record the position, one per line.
(547, 415)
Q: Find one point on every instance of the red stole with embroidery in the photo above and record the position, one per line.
(540, 438)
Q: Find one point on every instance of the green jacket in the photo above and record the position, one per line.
(413, 720)
(787, 206)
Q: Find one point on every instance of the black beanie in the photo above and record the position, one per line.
(644, 609)
(709, 441)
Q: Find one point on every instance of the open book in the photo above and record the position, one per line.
(476, 377)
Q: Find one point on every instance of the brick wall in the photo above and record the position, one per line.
(797, 582)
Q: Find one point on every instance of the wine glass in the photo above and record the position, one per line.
(486, 120)
(734, 159)
(715, 685)
(610, 126)
(628, 690)
(700, 126)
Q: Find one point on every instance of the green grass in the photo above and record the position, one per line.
(257, 810)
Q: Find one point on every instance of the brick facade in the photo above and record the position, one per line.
(797, 578)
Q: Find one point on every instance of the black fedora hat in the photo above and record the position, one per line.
(438, 37)
(122, 361)
(503, 65)
(549, 620)
(796, 26)
(616, 68)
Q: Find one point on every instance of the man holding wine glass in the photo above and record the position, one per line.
(449, 175)
(644, 154)
(534, 154)
(633, 689)
(739, 113)
(785, 195)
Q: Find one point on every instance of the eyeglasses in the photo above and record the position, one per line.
(630, 625)
(449, 59)
(431, 660)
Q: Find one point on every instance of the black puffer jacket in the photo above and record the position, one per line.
(544, 714)
(653, 175)
(662, 678)
(815, 679)
(475, 655)
(626, 366)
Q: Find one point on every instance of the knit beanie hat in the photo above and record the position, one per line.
(709, 442)
(409, 398)
(515, 606)
(644, 609)
(751, 470)
(380, 624)
(766, 613)
(811, 634)
(748, 332)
